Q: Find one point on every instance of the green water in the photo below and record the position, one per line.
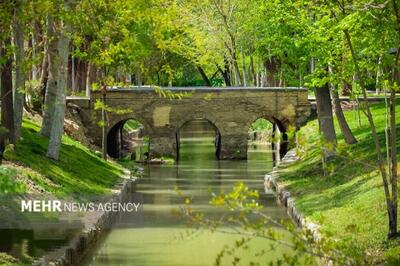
(161, 238)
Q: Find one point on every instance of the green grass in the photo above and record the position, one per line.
(371, 93)
(78, 172)
(348, 201)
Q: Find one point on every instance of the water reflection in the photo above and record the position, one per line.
(162, 238)
(28, 244)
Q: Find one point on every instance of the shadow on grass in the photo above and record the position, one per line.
(349, 172)
(78, 171)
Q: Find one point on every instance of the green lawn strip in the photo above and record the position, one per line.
(79, 171)
(348, 202)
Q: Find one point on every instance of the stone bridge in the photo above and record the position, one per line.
(163, 112)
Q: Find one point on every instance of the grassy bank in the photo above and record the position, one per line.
(348, 199)
(78, 171)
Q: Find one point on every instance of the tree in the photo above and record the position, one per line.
(19, 87)
(51, 85)
(373, 45)
(7, 111)
(344, 126)
(394, 86)
(325, 119)
(60, 28)
(7, 134)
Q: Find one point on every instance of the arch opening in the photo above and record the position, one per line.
(198, 138)
(128, 138)
(260, 131)
(267, 133)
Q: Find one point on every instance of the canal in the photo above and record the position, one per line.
(159, 236)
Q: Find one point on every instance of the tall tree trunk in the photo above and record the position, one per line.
(34, 52)
(378, 76)
(4, 115)
(51, 86)
(271, 67)
(344, 126)
(104, 124)
(44, 72)
(88, 78)
(139, 77)
(7, 110)
(73, 75)
(244, 69)
(82, 76)
(252, 71)
(393, 128)
(19, 86)
(263, 77)
(78, 74)
(393, 159)
(232, 46)
(281, 77)
(325, 119)
(238, 79)
(258, 79)
(35, 41)
(225, 73)
(59, 107)
(203, 74)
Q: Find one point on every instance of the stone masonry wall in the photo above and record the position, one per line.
(230, 110)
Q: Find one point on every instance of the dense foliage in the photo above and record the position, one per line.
(191, 42)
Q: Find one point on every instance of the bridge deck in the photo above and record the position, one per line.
(198, 89)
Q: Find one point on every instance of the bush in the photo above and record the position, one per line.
(6, 259)
(393, 256)
(8, 182)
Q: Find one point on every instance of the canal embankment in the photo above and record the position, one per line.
(284, 197)
(96, 225)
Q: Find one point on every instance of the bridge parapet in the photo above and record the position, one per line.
(163, 112)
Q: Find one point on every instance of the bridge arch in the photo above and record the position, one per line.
(217, 141)
(276, 124)
(267, 116)
(115, 134)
